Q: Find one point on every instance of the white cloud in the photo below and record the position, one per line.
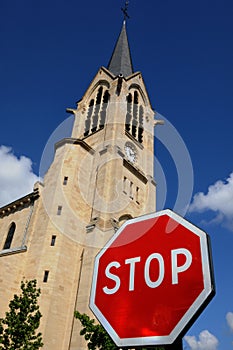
(207, 341)
(219, 199)
(229, 318)
(16, 176)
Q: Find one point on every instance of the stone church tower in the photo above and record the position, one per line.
(101, 176)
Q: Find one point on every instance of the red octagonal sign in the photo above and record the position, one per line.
(152, 279)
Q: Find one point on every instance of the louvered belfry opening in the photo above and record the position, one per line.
(134, 116)
(97, 109)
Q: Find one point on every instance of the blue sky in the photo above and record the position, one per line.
(51, 50)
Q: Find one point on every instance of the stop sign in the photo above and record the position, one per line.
(152, 279)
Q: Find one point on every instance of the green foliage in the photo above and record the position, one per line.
(94, 334)
(18, 328)
(97, 337)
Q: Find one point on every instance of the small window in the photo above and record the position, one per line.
(131, 190)
(65, 180)
(124, 184)
(10, 236)
(59, 210)
(137, 195)
(53, 240)
(46, 276)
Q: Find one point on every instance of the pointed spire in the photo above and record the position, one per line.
(121, 62)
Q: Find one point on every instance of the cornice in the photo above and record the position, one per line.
(74, 141)
(20, 203)
(137, 172)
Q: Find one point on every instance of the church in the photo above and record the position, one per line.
(101, 176)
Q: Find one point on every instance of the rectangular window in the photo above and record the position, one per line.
(131, 190)
(46, 276)
(124, 184)
(59, 210)
(65, 180)
(137, 195)
(53, 240)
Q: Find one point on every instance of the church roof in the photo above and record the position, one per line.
(121, 62)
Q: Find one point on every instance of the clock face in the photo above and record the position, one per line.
(130, 151)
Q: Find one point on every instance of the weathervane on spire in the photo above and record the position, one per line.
(125, 10)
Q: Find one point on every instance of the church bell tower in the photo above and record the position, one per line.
(115, 121)
(108, 162)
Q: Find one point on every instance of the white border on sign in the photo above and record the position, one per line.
(208, 287)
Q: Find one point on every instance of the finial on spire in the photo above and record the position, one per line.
(125, 10)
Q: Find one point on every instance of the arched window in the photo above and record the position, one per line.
(135, 114)
(106, 98)
(140, 127)
(10, 236)
(89, 115)
(134, 117)
(129, 113)
(96, 114)
(95, 120)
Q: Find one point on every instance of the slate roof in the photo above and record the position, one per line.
(121, 62)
